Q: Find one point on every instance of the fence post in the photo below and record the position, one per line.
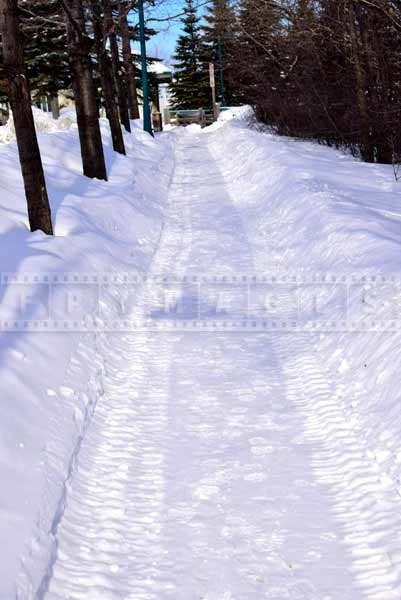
(202, 118)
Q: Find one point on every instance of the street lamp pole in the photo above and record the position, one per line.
(147, 121)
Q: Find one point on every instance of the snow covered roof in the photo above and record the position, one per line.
(159, 68)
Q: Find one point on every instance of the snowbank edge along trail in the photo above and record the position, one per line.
(170, 247)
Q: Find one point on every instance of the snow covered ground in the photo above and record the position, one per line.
(235, 434)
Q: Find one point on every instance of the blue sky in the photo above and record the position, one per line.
(163, 45)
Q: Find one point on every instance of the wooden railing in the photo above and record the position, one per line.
(188, 117)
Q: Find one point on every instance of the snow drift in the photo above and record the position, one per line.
(311, 210)
(50, 381)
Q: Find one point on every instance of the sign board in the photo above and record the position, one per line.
(211, 73)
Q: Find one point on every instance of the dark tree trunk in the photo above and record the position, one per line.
(360, 80)
(128, 62)
(84, 91)
(116, 65)
(106, 79)
(20, 101)
(54, 106)
(384, 153)
(379, 90)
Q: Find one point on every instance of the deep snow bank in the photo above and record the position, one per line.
(50, 381)
(318, 211)
(44, 123)
(316, 207)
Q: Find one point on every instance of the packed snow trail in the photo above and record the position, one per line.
(219, 466)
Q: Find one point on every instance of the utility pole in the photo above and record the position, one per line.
(221, 67)
(147, 121)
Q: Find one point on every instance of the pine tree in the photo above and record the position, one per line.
(43, 34)
(190, 89)
(45, 38)
(221, 37)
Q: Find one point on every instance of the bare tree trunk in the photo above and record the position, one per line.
(116, 65)
(54, 106)
(379, 91)
(360, 78)
(84, 91)
(20, 101)
(106, 78)
(128, 62)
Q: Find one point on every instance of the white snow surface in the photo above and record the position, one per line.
(44, 123)
(197, 464)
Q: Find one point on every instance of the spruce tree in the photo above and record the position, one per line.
(43, 34)
(45, 38)
(190, 89)
(221, 37)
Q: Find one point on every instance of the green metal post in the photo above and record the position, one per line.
(147, 121)
(221, 67)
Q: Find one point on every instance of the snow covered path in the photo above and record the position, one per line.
(221, 466)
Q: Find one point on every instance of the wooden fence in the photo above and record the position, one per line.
(188, 117)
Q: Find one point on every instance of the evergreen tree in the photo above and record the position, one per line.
(43, 34)
(45, 39)
(190, 89)
(221, 37)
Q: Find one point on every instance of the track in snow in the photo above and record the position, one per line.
(220, 466)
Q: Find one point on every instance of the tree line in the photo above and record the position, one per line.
(50, 45)
(205, 38)
(328, 70)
